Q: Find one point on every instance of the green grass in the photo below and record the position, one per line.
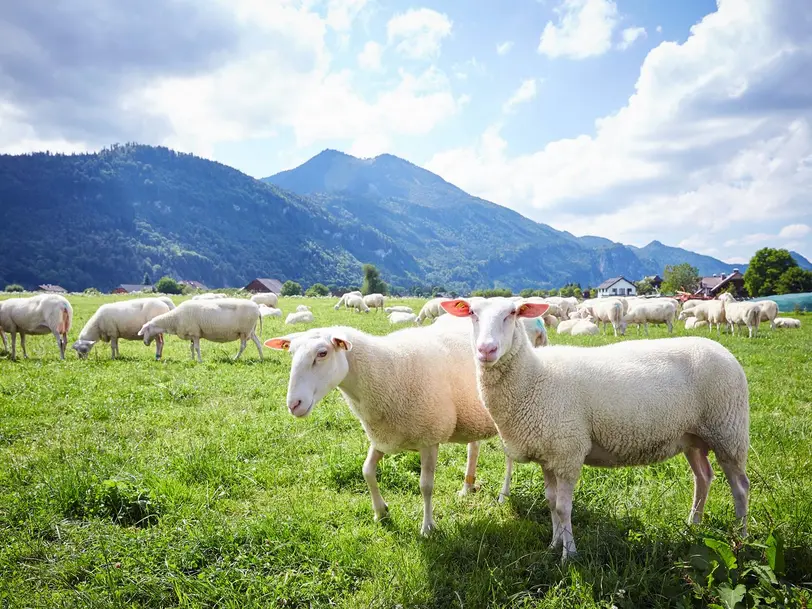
(136, 483)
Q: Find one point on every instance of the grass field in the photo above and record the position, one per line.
(136, 483)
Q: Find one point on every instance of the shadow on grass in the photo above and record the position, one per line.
(482, 562)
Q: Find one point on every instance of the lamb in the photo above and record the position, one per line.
(398, 309)
(431, 310)
(374, 301)
(343, 299)
(266, 298)
(692, 323)
(413, 389)
(584, 327)
(219, 320)
(742, 314)
(550, 406)
(208, 296)
(117, 320)
(302, 308)
(40, 314)
(787, 322)
(651, 312)
(398, 317)
(610, 310)
(300, 317)
(357, 303)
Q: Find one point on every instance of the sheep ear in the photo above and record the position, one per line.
(280, 344)
(457, 308)
(141, 331)
(339, 342)
(532, 309)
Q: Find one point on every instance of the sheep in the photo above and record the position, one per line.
(566, 326)
(584, 327)
(769, 311)
(357, 303)
(209, 296)
(711, 311)
(651, 312)
(40, 314)
(551, 321)
(684, 394)
(787, 322)
(413, 389)
(398, 309)
(302, 308)
(167, 301)
(299, 317)
(398, 317)
(343, 299)
(265, 311)
(692, 323)
(564, 305)
(374, 301)
(266, 298)
(431, 310)
(219, 320)
(742, 314)
(536, 331)
(610, 310)
(117, 320)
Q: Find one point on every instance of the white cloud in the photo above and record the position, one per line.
(370, 57)
(584, 29)
(418, 33)
(795, 231)
(464, 69)
(629, 36)
(341, 13)
(659, 29)
(716, 139)
(503, 48)
(525, 92)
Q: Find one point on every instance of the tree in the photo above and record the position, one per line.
(14, 287)
(373, 284)
(794, 281)
(765, 270)
(682, 277)
(167, 285)
(317, 289)
(146, 280)
(644, 287)
(291, 288)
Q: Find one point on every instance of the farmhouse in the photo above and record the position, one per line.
(130, 288)
(195, 285)
(264, 285)
(52, 289)
(655, 280)
(716, 284)
(616, 286)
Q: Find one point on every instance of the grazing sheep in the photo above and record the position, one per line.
(299, 317)
(692, 323)
(120, 320)
(742, 314)
(787, 322)
(711, 311)
(550, 406)
(399, 317)
(357, 303)
(345, 296)
(609, 311)
(302, 308)
(413, 389)
(645, 313)
(209, 296)
(40, 314)
(398, 309)
(266, 298)
(219, 320)
(431, 310)
(769, 311)
(375, 301)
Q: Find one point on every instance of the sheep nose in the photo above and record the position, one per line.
(487, 350)
(294, 404)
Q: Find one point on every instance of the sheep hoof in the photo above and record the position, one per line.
(383, 514)
(427, 528)
(502, 498)
(467, 489)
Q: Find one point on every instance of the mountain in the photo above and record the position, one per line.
(462, 239)
(802, 262)
(107, 218)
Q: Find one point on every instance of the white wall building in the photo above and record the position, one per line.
(616, 286)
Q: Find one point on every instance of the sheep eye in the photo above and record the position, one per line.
(321, 354)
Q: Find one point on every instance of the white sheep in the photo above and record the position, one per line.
(120, 320)
(413, 389)
(584, 327)
(219, 320)
(769, 311)
(266, 298)
(566, 326)
(167, 301)
(265, 311)
(610, 311)
(431, 310)
(536, 331)
(209, 296)
(668, 396)
(343, 299)
(787, 322)
(742, 314)
(40, 314)
(645, 313)
(299, 317)
(357, 303)
(399, 317)
(710, 311)
(375, 301)
(692, 323)
(302, 308)
(398, 309)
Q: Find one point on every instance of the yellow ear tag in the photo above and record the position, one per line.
(460, 305)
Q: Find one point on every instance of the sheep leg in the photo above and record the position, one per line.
(13, 345)
(371, 476)
(196, 341)
(645, 327)
(59, 345)
(192, 348)
(550, 490)
(255, 338)
(563, 508)
(3, 336)
(703, 476)
(22, 344)
(243, 343)
(739, 486)
(505, 492)
(470, 469)
(159, 346)
(428, 463)
(113, 348)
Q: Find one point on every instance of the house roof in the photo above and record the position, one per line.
(653, 278)
(49, 287)
(194, 284)
(713, 284)
(610, 282)
(134, 287)
(274, 285)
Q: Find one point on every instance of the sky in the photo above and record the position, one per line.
(688, 122)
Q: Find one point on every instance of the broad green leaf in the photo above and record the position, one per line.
(723, 550)
(731, 596)
(775, 553)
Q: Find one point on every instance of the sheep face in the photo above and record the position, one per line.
(318, 366)
(83, 347)
(149, 330)
(493, 322)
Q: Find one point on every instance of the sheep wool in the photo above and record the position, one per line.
(40, 314)
(117, 320)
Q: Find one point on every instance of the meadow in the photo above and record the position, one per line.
(136, 483)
